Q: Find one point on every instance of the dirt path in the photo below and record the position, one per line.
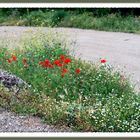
(11, 122)
(121, 50)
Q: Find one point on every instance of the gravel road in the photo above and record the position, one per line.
(11, 122)
(121, 50)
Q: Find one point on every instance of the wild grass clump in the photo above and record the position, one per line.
(68, 91)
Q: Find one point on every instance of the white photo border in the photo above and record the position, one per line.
(69, 5)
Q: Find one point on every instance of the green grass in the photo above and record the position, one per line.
(99, 19)
(97, 99)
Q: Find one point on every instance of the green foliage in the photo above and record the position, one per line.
(58, 16)
(118, 20)
(118, 114)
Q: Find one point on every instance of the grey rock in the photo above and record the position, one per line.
(9, 80)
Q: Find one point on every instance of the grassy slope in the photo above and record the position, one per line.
(97, 99)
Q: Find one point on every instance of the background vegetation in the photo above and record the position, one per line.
(118, 20)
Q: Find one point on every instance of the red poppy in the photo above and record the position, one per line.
(46, 64)
(9, 60)
(24, 61)
(62, 74)
(47, 61)
(62, 57)
(56, 62)
(65, 71)
(67, 60)
(60, 65)
(14, 58)
(78, 71)
(50, 65)
(103, 61)
(41, 63)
